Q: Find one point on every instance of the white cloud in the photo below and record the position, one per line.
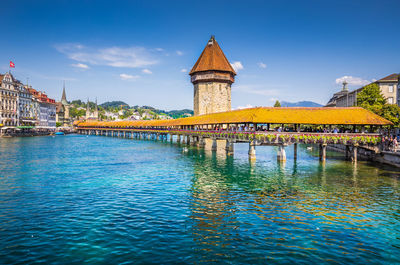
(352, 80)
(146, 71)
(159, 49)
(262, 65)
(237, 66)
(184, 70)
(80, 65)
(128, 77)
(180, 53)
(130, 57)
(248, 106)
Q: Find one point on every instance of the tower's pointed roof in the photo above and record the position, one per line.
(64, 96)
(212, 58)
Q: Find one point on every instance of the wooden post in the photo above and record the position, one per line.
(295, 150)
(322, 152)
(354, 155)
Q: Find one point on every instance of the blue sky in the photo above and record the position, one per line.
(141, 51)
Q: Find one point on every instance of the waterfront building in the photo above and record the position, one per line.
(46, 112)
(388, 85)
(92, 115)
(62, 110)
(26, 112)
(8, 100)
(212, 77)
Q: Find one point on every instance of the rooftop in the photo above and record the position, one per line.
(212, 59)
(262, 115)
(390, 78)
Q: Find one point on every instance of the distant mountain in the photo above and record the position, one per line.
(180, 113)
(113, 104)
(173, 113)
(300, 104)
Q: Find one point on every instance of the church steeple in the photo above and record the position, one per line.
(96, 111)
(87, 110)
(64, 96)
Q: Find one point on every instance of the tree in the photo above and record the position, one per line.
(277, 104)
(75, 113)
(371, 98)
(391, 112)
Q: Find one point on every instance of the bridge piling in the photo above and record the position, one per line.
(252, 150)
(281, 153)
(214, 145)
(322, 152)
(229, 148)
(354, 154)
(202, 142)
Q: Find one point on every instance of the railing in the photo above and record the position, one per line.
(266, 137)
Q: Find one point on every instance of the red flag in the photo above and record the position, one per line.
(12, 65)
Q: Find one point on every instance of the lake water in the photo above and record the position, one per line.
(100, 200)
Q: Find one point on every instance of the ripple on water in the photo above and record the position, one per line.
(98, 200)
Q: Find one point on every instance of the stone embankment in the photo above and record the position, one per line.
(372, 154)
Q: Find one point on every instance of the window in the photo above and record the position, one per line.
(391, 89)
(390, 100)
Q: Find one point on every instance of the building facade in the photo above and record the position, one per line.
(388, 85)
(9, 106)
(212, 77)
(26, 112)
(22, 107)
(45, 109)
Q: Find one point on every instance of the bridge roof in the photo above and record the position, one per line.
(311, 116)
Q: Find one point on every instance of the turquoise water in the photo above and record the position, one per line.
(100, 200)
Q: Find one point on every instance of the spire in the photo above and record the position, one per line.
(212, 58)
(345, 86)
(87, 110)
(64, 96)
(96, 111)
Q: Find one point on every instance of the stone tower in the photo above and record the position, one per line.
(212, 77)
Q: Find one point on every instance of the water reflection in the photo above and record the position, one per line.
(253, 213)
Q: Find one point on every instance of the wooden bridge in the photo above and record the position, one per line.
(351, 127)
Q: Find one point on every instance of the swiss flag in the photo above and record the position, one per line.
(12, 65)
